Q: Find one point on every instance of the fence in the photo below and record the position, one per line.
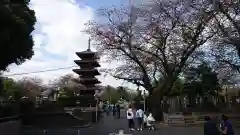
(54, 131)
(197, 119)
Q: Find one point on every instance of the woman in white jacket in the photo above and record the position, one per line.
(130, 117)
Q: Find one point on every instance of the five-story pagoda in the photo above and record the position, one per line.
(87, 73)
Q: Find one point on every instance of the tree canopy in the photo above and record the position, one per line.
(153, 41)
(28, 86)
(16, 32)
(201, 80)
(113, 95)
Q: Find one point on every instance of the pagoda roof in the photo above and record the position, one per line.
(94, 63)
(86, 53)
(86, 71)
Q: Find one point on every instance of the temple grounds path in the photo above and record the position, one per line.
(110, 125)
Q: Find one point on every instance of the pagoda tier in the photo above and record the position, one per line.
(87, 54)
(86, 72)
(90, 86)
(87, 63)
(89, 81)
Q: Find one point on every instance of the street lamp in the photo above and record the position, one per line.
(77, 101)
(97, 96)
(144, 97)
(144, 100)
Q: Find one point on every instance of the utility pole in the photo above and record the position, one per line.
(97, 97)
(1, 84)
(144, 98)
(109, 95)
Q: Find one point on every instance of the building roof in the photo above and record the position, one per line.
(47, 92)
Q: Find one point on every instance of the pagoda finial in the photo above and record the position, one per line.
(89, 44)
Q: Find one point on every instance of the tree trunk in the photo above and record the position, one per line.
(155, 99)
(155, 107)
(1, 85)
(180, 103)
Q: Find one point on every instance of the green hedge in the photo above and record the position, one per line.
(71, 101)
(12, 108)
(9, 109)
(49, 106)
(67, 101)
(27, 107)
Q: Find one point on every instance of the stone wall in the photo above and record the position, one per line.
(10, 127)
(197, 118)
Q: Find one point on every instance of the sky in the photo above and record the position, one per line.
(58, 36)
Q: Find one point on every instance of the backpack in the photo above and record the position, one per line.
(139, 113)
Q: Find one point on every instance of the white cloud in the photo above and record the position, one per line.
(57, 37)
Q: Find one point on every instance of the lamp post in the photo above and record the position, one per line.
(77, 101)
(97, 96)
(144, 100)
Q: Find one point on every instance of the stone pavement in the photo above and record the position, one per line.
(110, 125)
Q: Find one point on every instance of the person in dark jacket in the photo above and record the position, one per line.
(108, 109)
(114, 109)
(210, 127)
(118, 109)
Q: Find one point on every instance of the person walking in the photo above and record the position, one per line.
(108, 109)
(140, 116)
(114, 110)
(226, 126)
(118, 109)
(210, 127)
(130, 118)
(104, 108)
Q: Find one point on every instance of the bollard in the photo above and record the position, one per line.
(78, 132)
(44, 132)
(121, 132)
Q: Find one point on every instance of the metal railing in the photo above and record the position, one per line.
(53, 131)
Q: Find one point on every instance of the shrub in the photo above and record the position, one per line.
(27, 106)
(49, 107)
(67, 101)
(27, 111)
(9, 109)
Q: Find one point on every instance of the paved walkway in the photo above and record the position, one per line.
(110, 125)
